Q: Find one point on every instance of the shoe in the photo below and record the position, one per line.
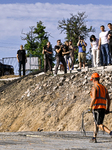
(79, 70)
(70, 70)
(93, 140)
(55, 75)
(110, 134)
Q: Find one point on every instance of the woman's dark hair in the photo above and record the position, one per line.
(92, 36)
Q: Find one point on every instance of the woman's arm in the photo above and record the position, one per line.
(91, 45)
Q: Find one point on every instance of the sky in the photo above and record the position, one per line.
(16, 16)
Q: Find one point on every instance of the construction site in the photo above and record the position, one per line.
(48, 109)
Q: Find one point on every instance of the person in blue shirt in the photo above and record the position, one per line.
(81, 52)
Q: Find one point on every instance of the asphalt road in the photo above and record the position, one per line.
(53, 141)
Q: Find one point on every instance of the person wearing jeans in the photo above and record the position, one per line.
(106, 54)
(103, 44)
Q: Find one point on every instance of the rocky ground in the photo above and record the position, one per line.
(49, 103)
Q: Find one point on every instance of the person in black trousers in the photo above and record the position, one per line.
(21, 57)
(47, 51)
(59, 57)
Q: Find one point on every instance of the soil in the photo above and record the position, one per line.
(48, 103)
(8, 76)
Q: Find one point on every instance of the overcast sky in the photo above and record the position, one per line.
(16, 16)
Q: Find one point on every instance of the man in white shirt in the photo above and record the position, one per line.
(103, 43)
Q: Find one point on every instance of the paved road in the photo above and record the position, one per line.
(53, 141)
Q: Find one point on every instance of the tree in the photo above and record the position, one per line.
(74, 27)
(36, 39)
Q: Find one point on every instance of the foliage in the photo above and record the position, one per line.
(74, 27)
(36, 39)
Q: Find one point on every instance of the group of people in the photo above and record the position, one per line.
(102, 47)
(101, 51)
(64, 54)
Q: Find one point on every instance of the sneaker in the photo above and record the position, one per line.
(55, 75)
(79, 70)
(93, 140)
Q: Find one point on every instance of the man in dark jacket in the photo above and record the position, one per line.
(47, 51)
(21, 57)
(59, 57)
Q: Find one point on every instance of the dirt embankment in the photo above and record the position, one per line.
(49, 103)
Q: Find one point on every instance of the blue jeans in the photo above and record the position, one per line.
(105, 54)
(21, 64)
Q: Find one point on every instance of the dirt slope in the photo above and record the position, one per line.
(49, 103)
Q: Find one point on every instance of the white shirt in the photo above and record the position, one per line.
(95, 44)
(103, 36)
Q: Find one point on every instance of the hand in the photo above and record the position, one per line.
(99, 47)
(90, 110)
(107, 111)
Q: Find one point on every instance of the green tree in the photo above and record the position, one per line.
(36, 39)
(74, 27)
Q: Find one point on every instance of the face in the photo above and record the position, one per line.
(109, 26)
(48, 44)
(93, 39)
(93, 81)
(58, 42)
(70, 43)
(66, 43)
(102, 28)
(21, 47)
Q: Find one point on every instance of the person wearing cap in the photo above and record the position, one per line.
(99, 105)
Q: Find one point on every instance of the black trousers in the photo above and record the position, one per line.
(21, 64)
(47, 64)
(58, 60)
(99, 116)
